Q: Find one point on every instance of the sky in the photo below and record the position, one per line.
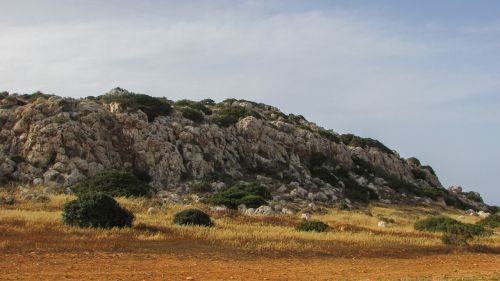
(421, 76)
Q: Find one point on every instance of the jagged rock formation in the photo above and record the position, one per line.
(58, 141)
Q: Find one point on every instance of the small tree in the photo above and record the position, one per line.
(96, 210)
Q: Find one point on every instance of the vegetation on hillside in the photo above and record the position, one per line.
(251, 194)
(113, 183)
(151, 106)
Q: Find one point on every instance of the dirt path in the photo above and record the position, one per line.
(178, 266)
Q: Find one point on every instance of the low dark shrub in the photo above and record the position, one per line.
(3, 95)
(34, 96)
(330, 135)
(457, 235)
(419, 174)
(192, 114)
(152, 106)
(96, 210)
(17, 159)
(353, 140)
(228, 116)
(445, 224)
(200, 187)
(199, 106)
(474, 196)
(192, 217)
(113, 183)
(492, 221)
(250, 194)
(317, 226)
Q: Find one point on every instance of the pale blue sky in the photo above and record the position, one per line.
(421, 76)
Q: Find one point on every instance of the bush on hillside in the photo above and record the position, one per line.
(228, 116)
(445, 224)
(457, 235)
(199, 106)
(192, 217)
(492, 221)
(96, 210)
(113, 183)
(250, 194)
(152, 106)
(353, 140)
(474, 196)
(192, 114)
(316, 226)
(200, 187)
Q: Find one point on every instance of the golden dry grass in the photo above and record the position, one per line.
(29, 225)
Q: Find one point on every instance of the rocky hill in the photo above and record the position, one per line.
(56, 142)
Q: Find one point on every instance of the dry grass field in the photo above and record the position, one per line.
(35, 245)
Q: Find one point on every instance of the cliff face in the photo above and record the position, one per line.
(58, 141)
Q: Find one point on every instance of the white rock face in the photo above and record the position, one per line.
(63, 140)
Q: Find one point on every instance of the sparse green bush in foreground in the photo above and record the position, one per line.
(192, 217)
(113, 183)
(96, 210)
(316, 226)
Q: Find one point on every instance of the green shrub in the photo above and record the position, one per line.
(419, 174)
(457, 235)
(199, 106)
(96, 210)
(414, 161)
(200, 187)
(207, 102)
(353, 140)
(192, 217)
(192, 114)
(228, 116)
(252, 195)
(113, 183)
(17, 159)
(492, 221)
(330, 135)
(452, 200)
(34, 96)
(316, 226)
(474, 196)
(3, 95)
(446, 224)
(152, 106)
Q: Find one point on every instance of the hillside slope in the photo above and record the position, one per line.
(56, 142)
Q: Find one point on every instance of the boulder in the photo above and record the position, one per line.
(483, 214)
(288, 211)
(382, 224)
(305, 216)
(250, 212)
(264, 211)
(152, 211)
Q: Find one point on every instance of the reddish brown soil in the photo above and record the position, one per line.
(211, 264)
